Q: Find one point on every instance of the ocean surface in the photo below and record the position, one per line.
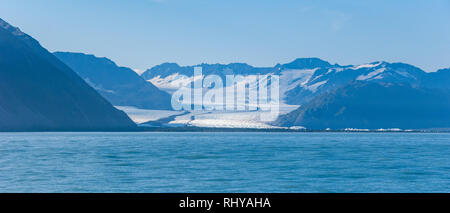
(224, 162)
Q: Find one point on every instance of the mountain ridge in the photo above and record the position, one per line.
(40, 93)
(120, 85)
(306, 77)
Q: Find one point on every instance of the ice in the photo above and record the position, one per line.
(144, 115)
(223, 119)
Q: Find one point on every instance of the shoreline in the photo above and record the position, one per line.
(213, 129)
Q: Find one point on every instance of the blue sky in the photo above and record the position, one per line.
(143, 33)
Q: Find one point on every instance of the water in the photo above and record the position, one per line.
(224, 162)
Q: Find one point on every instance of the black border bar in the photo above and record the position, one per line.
(258, 203)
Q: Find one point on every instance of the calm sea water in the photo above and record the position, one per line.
(224, 162)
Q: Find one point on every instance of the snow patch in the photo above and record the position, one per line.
(372, 65)
(144, 115)
(289, 79)
(98, 87)
(315, 86)
(370, 75)
(297, 127)
(138, 71)
(173, 82)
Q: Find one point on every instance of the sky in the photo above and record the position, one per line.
(143, 33)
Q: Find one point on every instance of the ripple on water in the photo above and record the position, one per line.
(224, 162)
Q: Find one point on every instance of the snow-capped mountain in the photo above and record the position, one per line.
(310, 88)
(171, 76)
(300, 80)
(317, 86)
(330, 78)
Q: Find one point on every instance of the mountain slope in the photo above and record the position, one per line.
(439, 79)
(372, 105)
(40, 93)
(119, 85)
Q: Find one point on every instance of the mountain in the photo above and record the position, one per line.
(170, 76)
(374, 105)
(374, 95)
(300, 80)
(168, 69)
(439, 79)
(326, 79)
(119, 85)
(40, 93)
(306, 63)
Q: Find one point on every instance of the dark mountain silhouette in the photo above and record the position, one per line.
(40, 93)
(119, 85)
